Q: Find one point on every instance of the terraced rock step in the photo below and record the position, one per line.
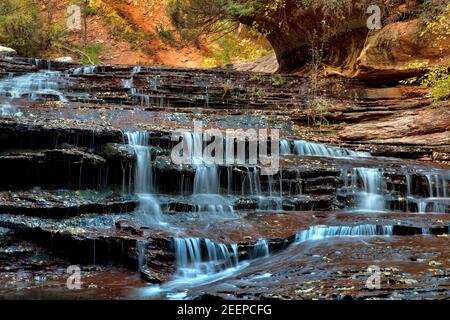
(172, 90)
(340, 272)
(52, 168)
(62, 204)
(87, 178)
(44, 134)
(98, 239)
(111, 164)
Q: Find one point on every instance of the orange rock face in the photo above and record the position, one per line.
(395, 48)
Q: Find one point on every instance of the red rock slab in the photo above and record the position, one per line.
(415, 267)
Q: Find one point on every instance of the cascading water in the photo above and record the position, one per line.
(206, 186)
(260, 249)
(438, 189)
(143, 177)
(143, 174)
(427, 192)
(192, 261)
(370, 197)
(436, 192)
(6, 109)
(137, 96)
(323, 232)
(129, 83)
(84, 70)
(140, 251)
(268, 199)
(367, 183)
(285, 147)
(36, 86)
(199, 261)
(42, 64)
(369, 187)
(251, 185)
(307, 148)
(206, 180)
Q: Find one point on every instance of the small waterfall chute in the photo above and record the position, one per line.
(85, 70)
(139, 141)
(376, 189)
(367, 186)
(260, 249)
(373, 184)
(322, 232)
(36, 86)
(143, 177)
(136, 94)
(197, 257)
(307, 148)
(285, 147)
(206, 186)
(6, 109)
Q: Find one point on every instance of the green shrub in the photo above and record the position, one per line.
(165, 35)
(257, 92)
(232, 48)
(21, 26)
(438, 80)
(256, 78)
(430, 10)
(278, 81)
(441, 89)
(92, 51)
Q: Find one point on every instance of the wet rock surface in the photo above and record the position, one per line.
(61, 204)
(87, 179)
(340, 271)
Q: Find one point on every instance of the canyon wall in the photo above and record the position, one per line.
(338, 34)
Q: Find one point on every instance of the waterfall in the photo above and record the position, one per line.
(371, 198)
(206, 180)
(143, 176)
(155, 83)
(285, 147)
(6, 109)
(140, 252)
(42, 85)
(427, 192)
(143, 99)
(206, 186)
(251, 185)
(437, 186)
(368, 186)
(268, 199)
(196, 257)
(199, 261)
(437, 192)
(85, 70)
(143, 182)
(323, 232)
(41, 64)
(260, 249)
(306, 148)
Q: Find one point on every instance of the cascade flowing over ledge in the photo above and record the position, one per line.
(87, 178)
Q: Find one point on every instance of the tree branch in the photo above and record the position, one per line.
(78, 52)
